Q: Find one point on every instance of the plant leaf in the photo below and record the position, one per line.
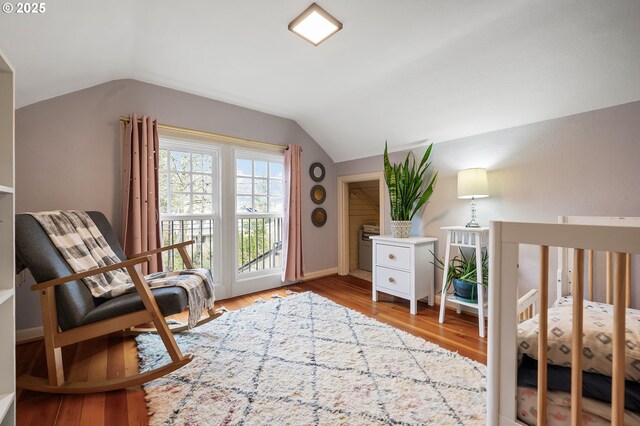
(405, 184)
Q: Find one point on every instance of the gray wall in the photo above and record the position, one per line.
(585, 164)
(68, 157)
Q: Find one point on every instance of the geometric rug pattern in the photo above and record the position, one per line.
(305, 360)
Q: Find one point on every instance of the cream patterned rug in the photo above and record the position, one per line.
(304, 360)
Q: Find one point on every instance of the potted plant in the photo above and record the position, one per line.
(462, 274)
(406, 194)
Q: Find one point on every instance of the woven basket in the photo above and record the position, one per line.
(400, 228)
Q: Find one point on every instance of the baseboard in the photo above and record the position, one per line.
(28, 335)
(319, 274)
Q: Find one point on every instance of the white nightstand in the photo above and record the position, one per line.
(461, 237)
(402, 267)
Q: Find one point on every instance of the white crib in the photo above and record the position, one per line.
(575, 238)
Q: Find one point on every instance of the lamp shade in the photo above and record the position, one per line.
(472, 183)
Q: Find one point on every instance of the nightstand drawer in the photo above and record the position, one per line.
(393, 256)
(392, 279)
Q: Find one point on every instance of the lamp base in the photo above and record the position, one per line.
(473, 223)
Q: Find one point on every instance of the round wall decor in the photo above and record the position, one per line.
(316, 171)
(319, 216)
(318, 194)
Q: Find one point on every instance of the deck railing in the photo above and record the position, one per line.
(259, 242)
(176, 229)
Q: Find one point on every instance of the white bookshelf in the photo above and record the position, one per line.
(7, 256)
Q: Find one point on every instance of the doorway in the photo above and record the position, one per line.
(364, 221)
(361, 212)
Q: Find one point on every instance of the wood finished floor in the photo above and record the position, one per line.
(114, 355)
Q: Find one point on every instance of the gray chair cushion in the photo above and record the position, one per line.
(171, 300)
(75, 304)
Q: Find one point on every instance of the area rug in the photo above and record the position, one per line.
(304, 360)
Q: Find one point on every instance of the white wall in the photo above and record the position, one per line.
(586, 164)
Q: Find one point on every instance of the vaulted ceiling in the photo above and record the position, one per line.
(405, 71)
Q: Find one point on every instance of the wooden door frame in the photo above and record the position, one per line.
(343, 213)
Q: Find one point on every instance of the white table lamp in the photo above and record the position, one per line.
(472, 183)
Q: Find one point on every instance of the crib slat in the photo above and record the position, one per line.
(542, 336)
(576, 342)
(590, 274)
(619, 293)
(627, 279)
(608, 273)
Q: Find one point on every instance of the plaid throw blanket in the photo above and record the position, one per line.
(84, 247)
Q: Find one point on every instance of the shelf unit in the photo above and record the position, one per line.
(465, 238)
(7, 256)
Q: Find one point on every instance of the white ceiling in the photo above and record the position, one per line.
(404, 70)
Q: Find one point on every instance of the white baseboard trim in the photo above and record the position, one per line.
(28, 334)
(319, 274)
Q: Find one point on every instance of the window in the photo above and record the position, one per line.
(259, 210)
(189, 202)
(229, 200)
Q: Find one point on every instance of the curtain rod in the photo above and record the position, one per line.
(210, 134)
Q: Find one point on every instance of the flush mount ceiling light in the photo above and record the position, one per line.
(315, 25)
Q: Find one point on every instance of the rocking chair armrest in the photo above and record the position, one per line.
(161, 249)
(90, 272)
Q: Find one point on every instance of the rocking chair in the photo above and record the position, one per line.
(70, 314)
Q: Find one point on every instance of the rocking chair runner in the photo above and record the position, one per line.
(70, 314)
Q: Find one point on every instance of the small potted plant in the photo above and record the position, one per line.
(406, 194)
(462, 274)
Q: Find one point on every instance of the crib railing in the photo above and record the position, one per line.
(528, 305)
(590, 275)
(505, 239)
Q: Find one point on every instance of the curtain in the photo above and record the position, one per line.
(140, 205)
(292, 229)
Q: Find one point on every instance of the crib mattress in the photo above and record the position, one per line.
(595, 386)
(594, 413)
(597, 338)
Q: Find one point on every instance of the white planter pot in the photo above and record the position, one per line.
(400, 228)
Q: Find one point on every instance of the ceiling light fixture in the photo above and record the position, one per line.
(315, 25)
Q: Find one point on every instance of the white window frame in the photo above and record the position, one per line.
(254, 155)
(194, 146)
(229, 283)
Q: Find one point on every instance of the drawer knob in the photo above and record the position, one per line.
(391, 280)
(391, 256)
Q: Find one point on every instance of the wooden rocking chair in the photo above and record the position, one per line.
(70, 314)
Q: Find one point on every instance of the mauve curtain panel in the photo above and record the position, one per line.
(292, 229)
(140, 202)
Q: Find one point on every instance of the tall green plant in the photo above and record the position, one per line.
(464, 268)
(405, 182)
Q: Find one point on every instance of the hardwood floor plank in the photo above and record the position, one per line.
(94, 404)
(114, 355)
(116, 401)
(136, 413)
(26, 364)
(78, 370)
